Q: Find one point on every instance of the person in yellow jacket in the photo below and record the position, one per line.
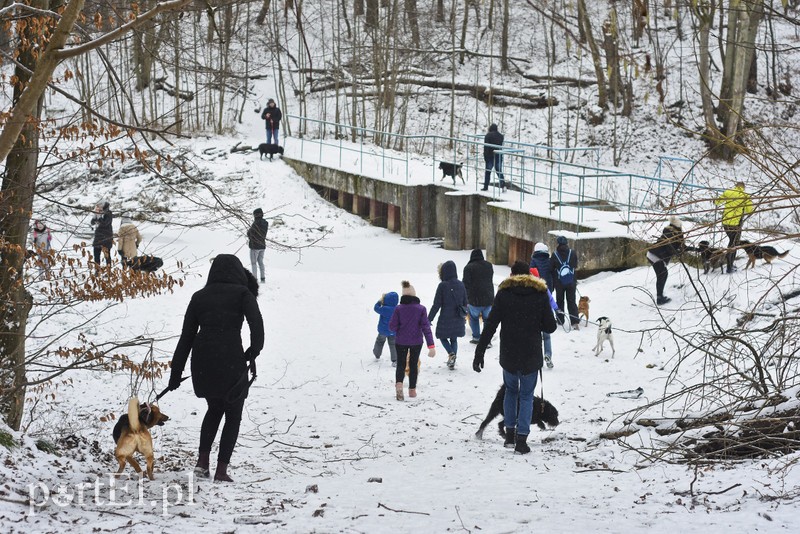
(736, 207)
(128, 239)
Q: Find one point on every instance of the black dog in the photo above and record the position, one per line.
(543, 412)
(760, 252)
(148, 264)
(712, 257)
(268, 149)
(451, 169)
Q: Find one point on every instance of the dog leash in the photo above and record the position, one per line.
(166, 389)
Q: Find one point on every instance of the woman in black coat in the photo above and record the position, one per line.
(219, 363)
(451, 299)
(103, 232)
(670, 243)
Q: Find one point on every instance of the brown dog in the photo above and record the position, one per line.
(583, 308)
(132, 434)
(760, 252)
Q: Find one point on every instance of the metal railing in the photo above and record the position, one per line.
(526, 169)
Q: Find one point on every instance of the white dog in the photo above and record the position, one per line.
(604, 333)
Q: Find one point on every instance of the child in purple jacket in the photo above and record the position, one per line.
(410, 322)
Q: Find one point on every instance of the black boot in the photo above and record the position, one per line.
(510, 436)
(522, 445)
(222, 473)
(201, 469)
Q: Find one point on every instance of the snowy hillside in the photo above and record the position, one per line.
(324, 445)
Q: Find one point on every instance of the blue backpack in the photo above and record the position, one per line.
(566, 274)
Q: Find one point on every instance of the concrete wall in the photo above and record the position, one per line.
(465, 221)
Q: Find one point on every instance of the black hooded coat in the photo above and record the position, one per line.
(450, 295)
(212, 330)
(478, 275)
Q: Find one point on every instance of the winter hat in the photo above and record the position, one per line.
(535, 272)
(493, 127)
(124, 220)
(561, 240)
(540, 247)
(270, 101)
(258, 212)
(39, 225)
(408, 289)
(675, 221)
(520, 267)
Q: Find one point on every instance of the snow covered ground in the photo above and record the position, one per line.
(325, 447)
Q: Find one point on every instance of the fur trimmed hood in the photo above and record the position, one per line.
(523, 281)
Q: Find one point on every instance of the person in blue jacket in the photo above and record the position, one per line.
(385, 308)
(451, 299)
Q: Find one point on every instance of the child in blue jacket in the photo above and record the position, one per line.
(385, 308)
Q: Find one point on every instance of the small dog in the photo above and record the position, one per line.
(132, 434)
(269, 149)
(604, 333)
(712, 257)
(760, 252)
(583, 308)
(451, 169)
(543, 412)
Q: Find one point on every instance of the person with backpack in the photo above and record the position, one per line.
(563, 263)
(671, 243)
(257, 241)
(451, 299)
(523, 308)
(272, 120)
(478, 276)
(540, 266)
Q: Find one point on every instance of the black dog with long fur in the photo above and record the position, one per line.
(543, 413)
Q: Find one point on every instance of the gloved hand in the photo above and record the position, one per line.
(431, 352)
(477, 363)
(249, 354)
(174, 381)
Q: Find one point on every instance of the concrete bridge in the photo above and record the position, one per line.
(467, 220)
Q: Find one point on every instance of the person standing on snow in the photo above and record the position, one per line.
(736, 207)
(451, 299)
(103, 232)
(42, 247)
(212, 332)
(385, 309)
(257, 241)
(523, 308)
(410, 322)
(128, 240)
(540, 260)
(478, 280)
(272, 120)
(492, 142)
(671, 243)
(563, 264)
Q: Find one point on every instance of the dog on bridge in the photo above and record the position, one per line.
(452, 170)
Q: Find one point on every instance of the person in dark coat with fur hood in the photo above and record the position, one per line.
(523, 308)
(212, 331)
(478, 280)
(451, 299)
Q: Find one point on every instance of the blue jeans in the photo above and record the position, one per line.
(272, 133)
(450, 345)
(495, 163)
(474, 313)
(548, 345)
(519, 388)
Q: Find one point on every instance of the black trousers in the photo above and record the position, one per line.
(104, 251)
(660, 267)
(572, 306)
(410, 354)
(734, 234)
(217, 408)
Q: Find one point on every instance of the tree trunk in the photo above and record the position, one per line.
(372, 17)
(440, 11)
(704, 14)
(358, 8)
(611, 48)
(411, 15)
(583, 20)
(262, 13)
(504, 37)
(464, 25)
